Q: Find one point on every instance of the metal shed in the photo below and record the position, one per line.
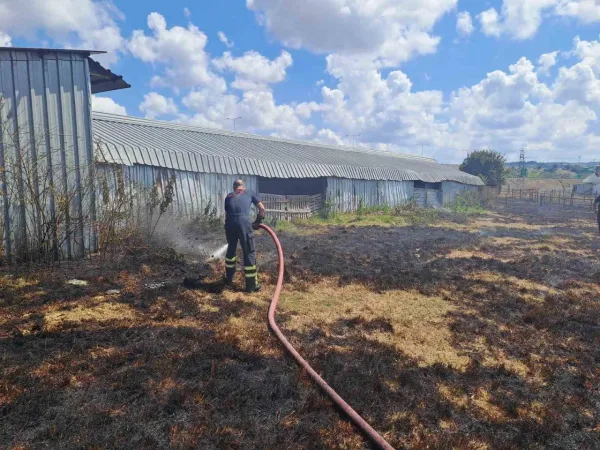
(46, 150)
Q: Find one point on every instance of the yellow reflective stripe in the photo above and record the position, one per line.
(249, 268)
(251, 275)
(231, 260)
(230, 266)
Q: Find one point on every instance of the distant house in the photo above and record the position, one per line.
(589, 186)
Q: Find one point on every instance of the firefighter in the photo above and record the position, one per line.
(239, 228)
(597, 210)
(597, 201)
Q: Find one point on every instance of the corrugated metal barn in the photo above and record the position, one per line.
(47, 123)
(206, 162)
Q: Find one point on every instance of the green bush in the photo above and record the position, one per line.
(467, 203)
(361, 210)
(414, 214)
(329, 209)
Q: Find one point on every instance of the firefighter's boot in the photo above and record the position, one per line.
(251, 273)
(230, 270)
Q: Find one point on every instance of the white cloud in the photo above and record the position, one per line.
(578, 83)
(587, 11)
(253, 70)
(490, 22)
(464, 24)
(187, 13)
(107, 105)
(80, 23)
(546, 62)
(5, 40)
(179, 55)
(327, 136)
(156, 105)
(506, 110)
(179, 51)
(225, 40)
(589, 53)
(509, 110)
(356, 34)
(520, 19)
(306, 109)
(258, 110)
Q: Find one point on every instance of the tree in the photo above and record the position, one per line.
(489, 165)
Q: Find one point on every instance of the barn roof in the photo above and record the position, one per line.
(127, 140)
(101, 78)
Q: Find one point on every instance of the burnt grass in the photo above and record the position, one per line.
(176, 368)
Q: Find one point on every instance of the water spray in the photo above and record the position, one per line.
(220, 253)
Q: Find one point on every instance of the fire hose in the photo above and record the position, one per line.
(370, 433)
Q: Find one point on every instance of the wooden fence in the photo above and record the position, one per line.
(567, 201)
(531, 195)
(290, 207)
(553, 197)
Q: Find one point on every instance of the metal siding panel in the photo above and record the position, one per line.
(6, 91)
(24, 151)
(79, 102)
(67, 153)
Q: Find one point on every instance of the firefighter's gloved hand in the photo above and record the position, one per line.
(257, 222)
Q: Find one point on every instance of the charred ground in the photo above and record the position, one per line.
(469, 333)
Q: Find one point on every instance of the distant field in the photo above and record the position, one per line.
(543, 184)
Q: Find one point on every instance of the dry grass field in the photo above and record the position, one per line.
(544, 184)
(469, 333)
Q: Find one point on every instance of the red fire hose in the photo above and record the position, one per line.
(358, 421)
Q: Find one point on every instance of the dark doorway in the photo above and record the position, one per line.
(292, 186)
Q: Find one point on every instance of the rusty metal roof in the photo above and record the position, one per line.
(127, 140)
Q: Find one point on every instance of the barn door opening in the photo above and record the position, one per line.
(291, 198)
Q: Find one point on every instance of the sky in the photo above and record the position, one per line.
(434, 77)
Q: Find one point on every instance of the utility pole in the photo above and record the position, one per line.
(522, 166)
(353, 136)
(233, 119)
(522, 170)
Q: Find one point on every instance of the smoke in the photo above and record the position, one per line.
(201, 240)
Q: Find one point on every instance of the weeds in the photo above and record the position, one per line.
(413, 214)
(467, 203)
(329, 209)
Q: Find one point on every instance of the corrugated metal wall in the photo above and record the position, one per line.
(193, 192)
(429, 198)
(346, 194)
(450, 189)
(45, 136)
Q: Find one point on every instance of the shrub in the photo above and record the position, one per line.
(467, 203)
(329, 209)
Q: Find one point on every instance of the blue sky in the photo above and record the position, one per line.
(438, 76)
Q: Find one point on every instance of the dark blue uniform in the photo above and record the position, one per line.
(238, 227)
(596, 205)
